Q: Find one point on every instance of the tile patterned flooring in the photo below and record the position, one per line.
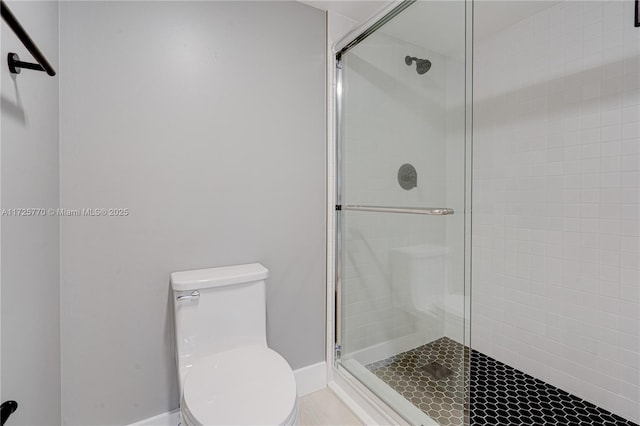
(441, 399)
(500, 395)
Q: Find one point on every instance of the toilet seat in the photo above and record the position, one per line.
(252, 385)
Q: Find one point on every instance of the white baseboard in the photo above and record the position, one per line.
(172, 418)
(308, 380)
(311, 378)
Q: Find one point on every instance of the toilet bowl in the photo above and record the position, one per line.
(227, 374)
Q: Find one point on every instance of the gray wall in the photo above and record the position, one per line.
(30, 245)
(206, 120)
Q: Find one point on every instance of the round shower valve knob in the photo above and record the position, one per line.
(407, 176)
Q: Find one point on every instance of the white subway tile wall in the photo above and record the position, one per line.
(556, 193)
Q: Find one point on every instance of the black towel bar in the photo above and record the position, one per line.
(14, 62)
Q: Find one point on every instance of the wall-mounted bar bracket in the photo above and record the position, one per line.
(15, 64)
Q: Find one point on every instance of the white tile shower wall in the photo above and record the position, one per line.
(385, 107)
(556, 192)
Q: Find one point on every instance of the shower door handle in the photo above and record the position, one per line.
(435, 211)
(194, 295)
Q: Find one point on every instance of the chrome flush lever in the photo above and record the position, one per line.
(195, 294)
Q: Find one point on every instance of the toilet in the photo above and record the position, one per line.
(226, 372)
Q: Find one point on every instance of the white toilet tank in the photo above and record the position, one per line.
(217, 309)
(418, 278)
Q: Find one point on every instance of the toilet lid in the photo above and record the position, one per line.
(252, 385)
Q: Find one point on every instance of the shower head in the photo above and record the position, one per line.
(422, 65)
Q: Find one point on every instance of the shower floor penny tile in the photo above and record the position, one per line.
(502, 395)
(432, 378)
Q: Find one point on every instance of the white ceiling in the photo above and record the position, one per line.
(438, 24)
(358, 10)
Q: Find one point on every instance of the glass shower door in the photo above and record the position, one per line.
(401, 211)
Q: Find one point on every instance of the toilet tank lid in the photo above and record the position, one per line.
(217, 277)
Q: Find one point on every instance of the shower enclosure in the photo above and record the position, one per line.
(556, 190)
(401, 209)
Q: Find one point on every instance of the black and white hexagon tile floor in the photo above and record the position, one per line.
(432, 378)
